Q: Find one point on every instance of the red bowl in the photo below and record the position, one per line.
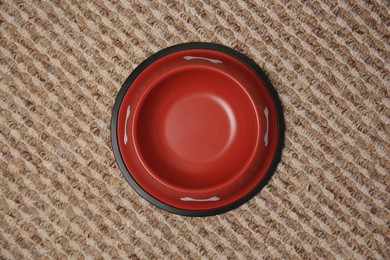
(197, 129)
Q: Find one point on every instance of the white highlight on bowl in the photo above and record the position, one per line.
(230, 114)
(266, 133)
(192, 199)
(125, 139)
(202, 58)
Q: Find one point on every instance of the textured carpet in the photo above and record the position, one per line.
(62, 64)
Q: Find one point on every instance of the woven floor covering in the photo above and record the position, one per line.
(62, 64)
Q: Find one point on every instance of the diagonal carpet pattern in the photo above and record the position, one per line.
(62, 64)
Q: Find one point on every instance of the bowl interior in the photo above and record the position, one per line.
(196, 128)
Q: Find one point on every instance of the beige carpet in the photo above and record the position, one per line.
(62, 64)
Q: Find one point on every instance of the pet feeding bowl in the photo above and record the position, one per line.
(197, 129)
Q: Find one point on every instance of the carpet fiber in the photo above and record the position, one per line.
(62, 64)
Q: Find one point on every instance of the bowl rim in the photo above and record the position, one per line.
(279, 116)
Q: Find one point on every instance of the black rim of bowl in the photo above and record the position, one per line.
(280, 121)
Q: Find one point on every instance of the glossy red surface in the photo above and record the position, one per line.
(197, 129)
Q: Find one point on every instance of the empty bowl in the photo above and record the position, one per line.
(197, 129)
